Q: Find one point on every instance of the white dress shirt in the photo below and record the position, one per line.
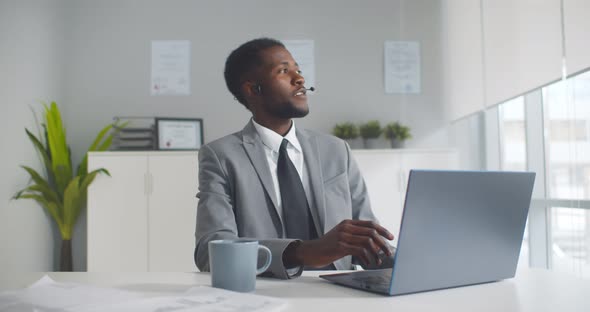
(272, 143)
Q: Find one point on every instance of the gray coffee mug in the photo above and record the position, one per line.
(234, 264)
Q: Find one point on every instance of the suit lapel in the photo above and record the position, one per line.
(255, 150)
(312, 160)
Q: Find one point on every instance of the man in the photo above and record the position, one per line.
(298, 192)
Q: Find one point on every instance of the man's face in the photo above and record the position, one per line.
(283, 94)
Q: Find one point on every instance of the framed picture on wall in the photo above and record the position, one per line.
(177, 134)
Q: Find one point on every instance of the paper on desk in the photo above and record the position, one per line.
(48, 295)
(202, 299)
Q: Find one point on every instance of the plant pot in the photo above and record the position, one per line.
(355, 143)
(396, 143)
(373, 143)
(65, 259)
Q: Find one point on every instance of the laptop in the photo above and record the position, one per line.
(458, 228)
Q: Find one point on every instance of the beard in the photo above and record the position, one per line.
(289, 110)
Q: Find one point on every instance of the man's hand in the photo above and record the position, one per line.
(361, 239)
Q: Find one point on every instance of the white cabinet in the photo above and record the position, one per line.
(173, 211)
(142, 218)
(386, 175)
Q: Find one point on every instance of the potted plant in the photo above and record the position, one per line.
(61, 192)
(348, 132)
(370, 132)
(397, 134)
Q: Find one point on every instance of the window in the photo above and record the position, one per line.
(570, 248)
(546, 131)
(511, 119)
(567, 116)
(512, 135)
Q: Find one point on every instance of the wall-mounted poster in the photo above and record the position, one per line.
(170, 67)
(402, 67)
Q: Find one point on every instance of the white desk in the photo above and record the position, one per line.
(531, 290)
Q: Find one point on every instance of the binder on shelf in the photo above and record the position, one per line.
(138, 134)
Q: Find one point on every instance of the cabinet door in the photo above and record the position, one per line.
(380, 169)
(172, 211)
(117, 216)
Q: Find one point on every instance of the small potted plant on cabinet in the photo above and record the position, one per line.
(397, 134)
(370, 132)
(347, 131)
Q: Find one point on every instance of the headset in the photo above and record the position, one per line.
(258, 89)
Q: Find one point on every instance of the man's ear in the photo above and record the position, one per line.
(249, 89)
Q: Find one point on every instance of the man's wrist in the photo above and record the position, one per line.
(291, 255)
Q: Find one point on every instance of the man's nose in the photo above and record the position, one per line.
(298, 79)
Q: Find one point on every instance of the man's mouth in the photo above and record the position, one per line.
(301, 92)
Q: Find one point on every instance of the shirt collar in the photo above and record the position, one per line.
(273, 140)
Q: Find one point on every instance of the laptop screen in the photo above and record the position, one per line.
(460, 228)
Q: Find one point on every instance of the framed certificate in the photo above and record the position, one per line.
(179, 133)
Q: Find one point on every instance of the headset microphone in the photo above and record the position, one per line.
(311, 89)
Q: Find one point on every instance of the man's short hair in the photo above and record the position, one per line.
(243, 61)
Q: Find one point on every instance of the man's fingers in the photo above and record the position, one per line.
(358, 252)
(371, 233)
(362, 241)
(370, 224)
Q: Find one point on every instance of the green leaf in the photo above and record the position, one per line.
(39, 147)
(47, 192)
(51, 207)
(83, 189)
(90, 177)
(72, 205)
(39, 180)
(47, 150)
(37, 123)
(42, 150)
(98, 146)
(99, 137)
(106, 144)
(18, 195)
(61, 163)
(35, 176)
(62, 178)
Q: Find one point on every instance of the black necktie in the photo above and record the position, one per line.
(296, 214)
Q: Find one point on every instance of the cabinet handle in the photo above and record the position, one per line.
(151, 183)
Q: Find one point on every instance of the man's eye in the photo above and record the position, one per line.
(283, 71)
(299, 72)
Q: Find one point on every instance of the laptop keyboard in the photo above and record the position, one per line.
(380, 281)
(373, 279)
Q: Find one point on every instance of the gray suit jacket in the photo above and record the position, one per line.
(237, 197)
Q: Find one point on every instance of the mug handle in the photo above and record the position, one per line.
(268, 259)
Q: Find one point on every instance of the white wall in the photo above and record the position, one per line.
(31, 59)
(108, 67)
